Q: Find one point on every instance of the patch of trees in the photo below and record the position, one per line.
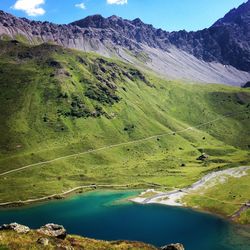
(102, 94)
(78, 109)
(54, 64)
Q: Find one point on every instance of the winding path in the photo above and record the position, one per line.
(119, 144)
(62, 195)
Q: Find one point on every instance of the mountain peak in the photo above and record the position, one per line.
(114, 18)
(137, 21)
(94, 21)
(237, 16)
(98, 21)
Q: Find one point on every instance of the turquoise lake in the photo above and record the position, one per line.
(103, 215)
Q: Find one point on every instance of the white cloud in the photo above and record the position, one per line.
(117, 1)
(80, 5)
(31, 7)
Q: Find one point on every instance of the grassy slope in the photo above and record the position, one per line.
(36, 93)
(224, 198)
(13, 241)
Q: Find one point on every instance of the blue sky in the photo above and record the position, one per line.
(166, 14)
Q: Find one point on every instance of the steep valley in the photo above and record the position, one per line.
(135, 114)
(60, 105)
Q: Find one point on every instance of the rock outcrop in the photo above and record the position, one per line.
(176, 246)
(53, 230)
(15, 227)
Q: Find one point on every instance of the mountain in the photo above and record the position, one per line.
(219, 54)
(227, 41)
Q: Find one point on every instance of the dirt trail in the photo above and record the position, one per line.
(119, 144)
(62, 195)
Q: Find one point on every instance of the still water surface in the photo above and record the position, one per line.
(102, 215)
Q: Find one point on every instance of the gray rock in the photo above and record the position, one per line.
(43, 241)
(15, 227)
(176, 246)
(53, 230)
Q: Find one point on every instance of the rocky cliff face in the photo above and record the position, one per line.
(227, 41)
(134, 31)
(218, 54)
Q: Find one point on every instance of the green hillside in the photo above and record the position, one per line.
(57, 102)
(11, 240)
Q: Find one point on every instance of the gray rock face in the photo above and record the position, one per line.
(219, 54)
(15, 227)
(247, 85)
(176, 246)
(227, 41)
(53, 230)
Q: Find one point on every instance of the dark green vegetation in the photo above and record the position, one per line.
(57, 102)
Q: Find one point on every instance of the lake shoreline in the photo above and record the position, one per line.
(199, 210)
(72, 194)
(171, 198)
(174, 198)
(102, 209)
(69, 194)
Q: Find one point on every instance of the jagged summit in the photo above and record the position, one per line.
(239, 16)
(227, 41)
(138, 21)
(225, 44)
(115, 22)
(94, 21)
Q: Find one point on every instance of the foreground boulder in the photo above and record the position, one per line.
(53, 230)
(176, 246)
(16, 227)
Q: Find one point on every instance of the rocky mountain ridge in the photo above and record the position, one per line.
(219, 54)
(227, 41)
